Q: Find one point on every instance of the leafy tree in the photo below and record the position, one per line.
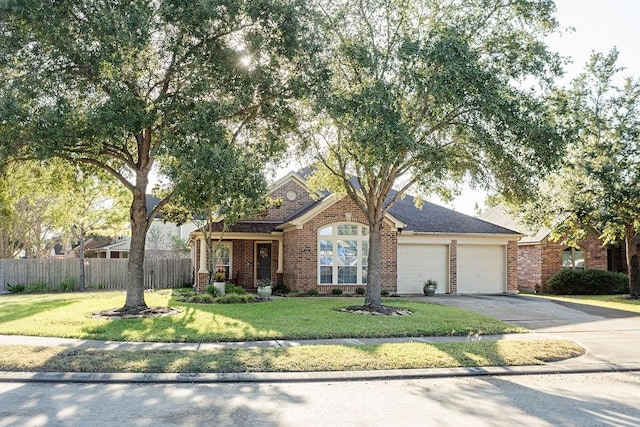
(124, 86)
(30, 207)
(599, 183)
(423, 94)
(93, 203)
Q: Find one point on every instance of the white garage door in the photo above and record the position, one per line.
(418, 263)
(481, 269)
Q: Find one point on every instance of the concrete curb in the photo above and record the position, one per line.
(292, 377)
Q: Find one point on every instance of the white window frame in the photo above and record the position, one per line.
(229, 246)
(360, 237)
(573, 258)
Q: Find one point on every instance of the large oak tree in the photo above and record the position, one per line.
(126, 85)
(425, 93)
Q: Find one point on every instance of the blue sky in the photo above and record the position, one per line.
(599, 26)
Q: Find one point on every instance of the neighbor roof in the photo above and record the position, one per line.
(499, 215)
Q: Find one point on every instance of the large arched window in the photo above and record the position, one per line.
(342, 254)
(573, 258)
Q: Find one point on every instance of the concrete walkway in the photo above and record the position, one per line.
(611, 339)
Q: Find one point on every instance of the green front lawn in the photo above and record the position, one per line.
(69, 315)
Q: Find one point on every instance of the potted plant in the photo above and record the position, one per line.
(265, 288)
(219, 281)
(430, 287)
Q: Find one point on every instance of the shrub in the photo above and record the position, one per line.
(587, 282)
(313, 292)
(280, 288)
(38, 287)
(230, 288)
(212, 290)
(360, 291)
(16, 289)
(234, 298)
(200, 299)
(384, 292)
(67, 285)
(336, 291)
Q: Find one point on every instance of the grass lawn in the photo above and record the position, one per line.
(69, 315)
(294, 359)
(617, 302)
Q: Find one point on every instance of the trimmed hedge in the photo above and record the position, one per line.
(587, 282)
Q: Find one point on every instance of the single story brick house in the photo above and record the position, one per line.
(320, 241)
(539, 257)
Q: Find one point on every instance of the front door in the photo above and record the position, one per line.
(263, 261)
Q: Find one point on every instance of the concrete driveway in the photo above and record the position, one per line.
(544, 315)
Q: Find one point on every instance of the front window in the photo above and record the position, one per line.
(573, 258)
(342, 254)
(222, 259)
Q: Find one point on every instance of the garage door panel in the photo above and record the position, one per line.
(418, 263)
(481, 269)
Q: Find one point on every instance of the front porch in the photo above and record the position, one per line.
(243, 258)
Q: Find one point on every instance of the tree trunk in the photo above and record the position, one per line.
(82, 284)
(135, 268)
(373, 299)
(633, 264)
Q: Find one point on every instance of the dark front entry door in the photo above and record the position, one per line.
(263, 260)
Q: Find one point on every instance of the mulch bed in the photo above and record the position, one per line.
(385, 311)
(135, 312)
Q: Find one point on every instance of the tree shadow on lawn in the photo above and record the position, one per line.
(20, 310)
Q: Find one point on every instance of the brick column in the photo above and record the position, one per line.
(453, 267)
(512, 267)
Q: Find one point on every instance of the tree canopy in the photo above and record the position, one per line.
(128, 85)
(598, 184)
(423, 94)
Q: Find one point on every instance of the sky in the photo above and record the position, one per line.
(599, 26)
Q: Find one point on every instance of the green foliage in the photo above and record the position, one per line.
(313, 292)
(205, 298)
(17, 288)
(230, 288)
(587, 282)
(384, 292)
(37, 287)
(67, 285)
(415, 96)
(360, 291)
(212, 290)
(235, 298)
(336, 291)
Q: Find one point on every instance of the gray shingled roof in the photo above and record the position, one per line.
(433, 218)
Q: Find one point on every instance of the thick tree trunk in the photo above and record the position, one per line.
(373, 299)
(633, 264)
(135, 269)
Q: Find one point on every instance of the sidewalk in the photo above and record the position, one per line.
(606, 352)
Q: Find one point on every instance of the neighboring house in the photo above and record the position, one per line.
(320, 241)
(539, 257)
(164, 240)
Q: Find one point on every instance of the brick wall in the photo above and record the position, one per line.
(453, 267)
(288, 207)
(529, 267)
(551, 255)
(301, 250)
(512, 267)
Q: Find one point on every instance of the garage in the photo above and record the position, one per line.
(481, 269)
(418, 263)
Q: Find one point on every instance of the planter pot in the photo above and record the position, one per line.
(264, 292)
(429, 290)
(220, 287)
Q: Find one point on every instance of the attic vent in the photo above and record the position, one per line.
(347, 216)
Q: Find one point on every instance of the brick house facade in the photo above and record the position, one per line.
(289, 237)
(539, 257)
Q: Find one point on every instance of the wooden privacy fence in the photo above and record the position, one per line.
(99, 273)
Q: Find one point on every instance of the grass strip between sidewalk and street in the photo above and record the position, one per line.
(474, 353)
